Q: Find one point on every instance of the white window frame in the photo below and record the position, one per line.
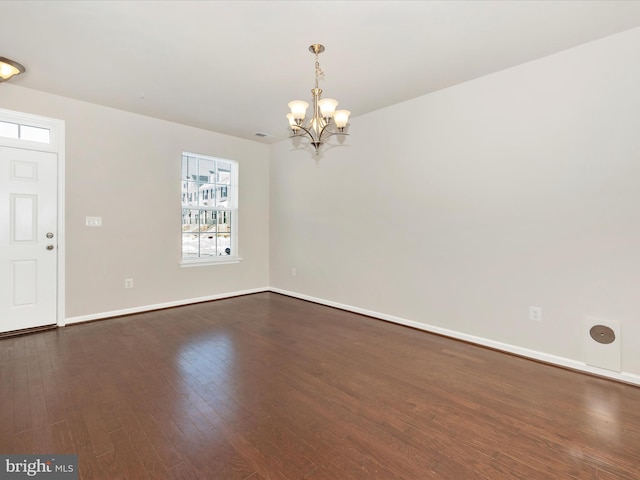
(221, 259)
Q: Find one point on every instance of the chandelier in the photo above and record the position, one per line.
(325, 120)
(9, 68)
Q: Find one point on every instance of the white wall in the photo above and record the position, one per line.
(126, 169)
(462, 208)
(456, 210)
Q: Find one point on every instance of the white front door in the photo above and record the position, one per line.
(28, 238)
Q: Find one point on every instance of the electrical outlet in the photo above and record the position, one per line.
(293, 272)
(128, 283)
(535, 313)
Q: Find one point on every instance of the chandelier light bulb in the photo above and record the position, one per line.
(9, 68)
(292, 122)
(341, 117)
(327, 107)
(298, 109)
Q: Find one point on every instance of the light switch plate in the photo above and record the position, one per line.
(94, 221)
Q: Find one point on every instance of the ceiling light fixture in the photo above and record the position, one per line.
(9, 68)
(325, 121)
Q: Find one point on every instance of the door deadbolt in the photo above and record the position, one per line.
(49, 235)
(49, 247)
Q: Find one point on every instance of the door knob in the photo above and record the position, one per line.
(49, 247)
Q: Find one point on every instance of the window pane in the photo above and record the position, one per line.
(185, 169)
(192, 168)
(184, 190)
(190, 220)
(190, 247)
(224, 244)
(190, 194)
(34, 134)
(224, 222)
(206, 170)
(224, 173)
(222, 196)
(206, 194)
(208, 220)
(9, 130)
(207, 245)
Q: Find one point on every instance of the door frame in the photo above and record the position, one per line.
(57, 145)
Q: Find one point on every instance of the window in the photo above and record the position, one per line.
(209, 210)
(19, 131)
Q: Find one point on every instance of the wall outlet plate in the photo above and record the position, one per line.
(93, 221)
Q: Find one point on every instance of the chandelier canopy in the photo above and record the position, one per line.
(325, 120)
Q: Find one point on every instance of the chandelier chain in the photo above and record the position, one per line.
(319, 71)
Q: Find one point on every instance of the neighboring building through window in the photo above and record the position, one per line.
(209, 209)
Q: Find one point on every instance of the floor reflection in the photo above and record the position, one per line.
(206, 365)
(207, 359)
(603, 411)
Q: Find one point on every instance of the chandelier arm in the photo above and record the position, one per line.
(331, 134)
(324, 133)
(307, 131)
(337, 133)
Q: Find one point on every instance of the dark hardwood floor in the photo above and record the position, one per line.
(270, 387)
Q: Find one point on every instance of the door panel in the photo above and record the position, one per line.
(28, 259)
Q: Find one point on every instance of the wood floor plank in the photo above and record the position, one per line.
(61, 438)
(109, 467)
(21, 401)
(22, 443)
(265, 387)
(127, 454)
(101, 440)
(56, 407)
(157, 439)
(182, 471)
(6, 396)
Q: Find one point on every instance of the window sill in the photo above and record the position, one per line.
(208, 262)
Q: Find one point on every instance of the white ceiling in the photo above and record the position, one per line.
(232, 66)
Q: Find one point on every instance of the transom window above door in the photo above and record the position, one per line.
(18, 131)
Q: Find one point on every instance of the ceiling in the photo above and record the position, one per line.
(232, 66)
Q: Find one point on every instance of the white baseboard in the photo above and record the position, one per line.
(505, 347)
(159, 306)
